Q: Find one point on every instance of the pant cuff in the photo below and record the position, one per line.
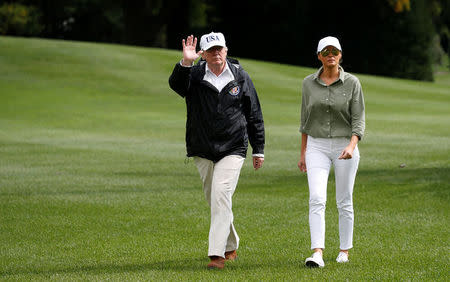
(216, 253)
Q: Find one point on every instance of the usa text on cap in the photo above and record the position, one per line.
(212, 39)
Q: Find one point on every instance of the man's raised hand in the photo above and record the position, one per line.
(189, 54)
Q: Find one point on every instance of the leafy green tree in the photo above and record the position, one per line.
(377, 37)
(389, 37)
(18, 19)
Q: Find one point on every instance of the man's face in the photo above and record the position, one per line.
(215, 56)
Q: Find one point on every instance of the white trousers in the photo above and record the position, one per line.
(219, 183)
(321, 153)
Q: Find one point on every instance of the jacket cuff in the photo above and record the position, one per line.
(258, 150)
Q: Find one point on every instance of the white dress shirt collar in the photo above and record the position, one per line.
(221, 80)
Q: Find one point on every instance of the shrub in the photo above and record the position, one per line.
(18, 19)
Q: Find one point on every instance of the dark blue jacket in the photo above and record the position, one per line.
(219, 124)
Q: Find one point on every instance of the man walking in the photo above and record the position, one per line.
(223, 115)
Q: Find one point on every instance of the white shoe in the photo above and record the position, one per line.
(342, 257)
(315, 260)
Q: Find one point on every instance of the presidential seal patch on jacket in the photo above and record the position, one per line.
(234, 91)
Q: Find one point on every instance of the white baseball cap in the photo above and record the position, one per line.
(328, 41)
(212, 39)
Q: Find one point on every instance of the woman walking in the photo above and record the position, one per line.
(332, 123)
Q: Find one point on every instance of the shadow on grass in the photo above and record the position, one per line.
(193, 265)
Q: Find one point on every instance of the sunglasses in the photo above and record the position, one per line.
(326, 52)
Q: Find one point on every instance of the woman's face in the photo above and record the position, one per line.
(330, 60)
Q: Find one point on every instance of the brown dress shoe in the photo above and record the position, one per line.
(231, 255)
(216, 262)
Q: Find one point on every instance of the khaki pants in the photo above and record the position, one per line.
(219, 182)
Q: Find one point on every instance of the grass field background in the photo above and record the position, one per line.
(95, 185)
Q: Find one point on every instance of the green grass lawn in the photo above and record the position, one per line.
(95, 185)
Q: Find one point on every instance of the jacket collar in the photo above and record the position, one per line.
(198, 71)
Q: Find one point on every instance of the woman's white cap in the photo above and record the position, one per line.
(212, 39)
(328, 41)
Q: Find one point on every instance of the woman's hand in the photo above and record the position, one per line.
(189, 54)
(347, 153)
(302, 163)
